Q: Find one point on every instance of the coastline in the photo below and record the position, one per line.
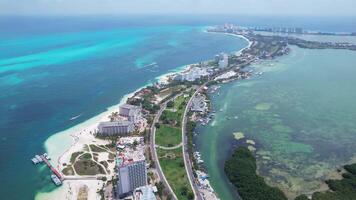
(235, 35)
(61, 145)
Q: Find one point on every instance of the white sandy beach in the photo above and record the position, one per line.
(61, 145)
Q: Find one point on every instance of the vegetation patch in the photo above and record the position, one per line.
(174, 170)
(86, 156)
(74, 156)
(344, 189)
(68, 170)
(88, 167)
(241, 171)
(95, 148)
(168, 136)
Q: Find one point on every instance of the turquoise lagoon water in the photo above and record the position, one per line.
(301, 113)
(52, 69)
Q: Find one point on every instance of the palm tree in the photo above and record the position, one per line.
(113, 116)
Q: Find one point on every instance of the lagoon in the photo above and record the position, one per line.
(300, 113)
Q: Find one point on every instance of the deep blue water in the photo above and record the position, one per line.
(54, 68)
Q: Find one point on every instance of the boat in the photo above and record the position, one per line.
(56, 180)
(46, 156)
(35, 161)
(75, 117)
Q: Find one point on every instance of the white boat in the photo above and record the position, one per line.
(46, 156)
(34, 161)
(56, 180)
(38, 158)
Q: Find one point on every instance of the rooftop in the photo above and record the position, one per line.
(129, 153)
(115, 123)
(144, 193)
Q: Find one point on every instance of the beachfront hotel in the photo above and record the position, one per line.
(193, 74)
(131, 165)
(222, 59)
(131, 176)
(115, 128)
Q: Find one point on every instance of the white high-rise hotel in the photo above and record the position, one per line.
(131, 176)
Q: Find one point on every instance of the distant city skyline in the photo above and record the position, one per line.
(199, 7)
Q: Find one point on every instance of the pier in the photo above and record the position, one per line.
(54, 171)
(56, 176)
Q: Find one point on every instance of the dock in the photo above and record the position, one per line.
(56, 176)
(54, 171)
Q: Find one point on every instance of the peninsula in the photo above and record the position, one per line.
(146, 148)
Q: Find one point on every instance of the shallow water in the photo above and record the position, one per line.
(300, 113)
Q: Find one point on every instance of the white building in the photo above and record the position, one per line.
(115, 128)
(222, 59)
(198, 104)
(193, 74)
(144, 193)
(133, 113)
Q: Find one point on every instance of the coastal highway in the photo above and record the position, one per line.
(187, 161)
(154, 152)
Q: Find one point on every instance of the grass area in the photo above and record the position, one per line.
(171, 117)
(74, 156)
(241, 171)
(95, 148)
(173, 114)
(172, 164)
(68, 170)
(168, 136)
(86, 156)
(88, 167)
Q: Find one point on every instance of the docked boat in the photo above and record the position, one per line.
(35, 161)
(56, 180)
(46, 156)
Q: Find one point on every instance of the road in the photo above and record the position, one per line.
(187, 161)
(154, 152)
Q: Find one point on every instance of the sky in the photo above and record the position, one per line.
(221, 7)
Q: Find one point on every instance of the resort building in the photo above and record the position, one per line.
(131, 165)
(193, 74)
(224, 61)
(115, 128)
(131, 176)
(133, 113)
(144, 193)
(198, 104)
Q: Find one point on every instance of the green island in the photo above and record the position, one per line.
(241, 171)
(241, 167)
